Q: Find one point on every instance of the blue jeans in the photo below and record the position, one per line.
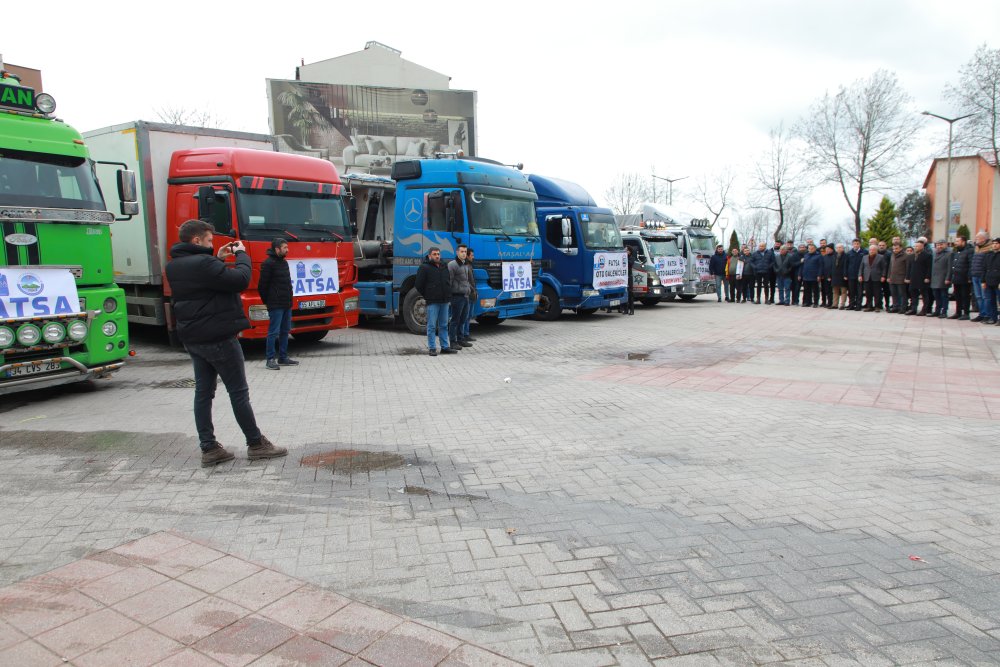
(784, 290)
(718, 287)
(459, 314)
(277, 332)
(989, 307)
(437, 325)
(220, 360)
(941, 300)
(468, 318)
(977, 292)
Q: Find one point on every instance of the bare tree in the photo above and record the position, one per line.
(800, 218)
(186, 116)
(978, 92)
(752, 227)
(860, 137)
(628, 191)
(778, 178)
(713, 192)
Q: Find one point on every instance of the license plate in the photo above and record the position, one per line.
(303, 305)
(32, 368)
(517, 295)
(615, 302)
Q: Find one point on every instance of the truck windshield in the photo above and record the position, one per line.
(493, 214)
(601, 232)
(702, 244)
(310, 216)
(663, 248)
(44, 180)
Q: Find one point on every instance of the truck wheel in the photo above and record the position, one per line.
(415, 312)
(310, 336)
(688, 297)
(649, 303)
(585, 311)
(548, 305)
(490, 320)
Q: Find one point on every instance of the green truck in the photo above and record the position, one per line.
(62, 318)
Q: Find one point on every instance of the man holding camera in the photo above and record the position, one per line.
(209, 315)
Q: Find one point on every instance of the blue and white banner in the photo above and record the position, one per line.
(37, 292)
(610, 270)
(517, 277)
(670, 269)
(314, 276)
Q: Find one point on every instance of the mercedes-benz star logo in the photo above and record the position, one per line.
(412, 213)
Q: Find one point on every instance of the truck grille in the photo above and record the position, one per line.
(493, 269)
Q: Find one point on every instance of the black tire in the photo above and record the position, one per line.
(548, 309)
(649, 303)
(688, 297)
(490, 320)
(586, 311)
(415, 313)
(310, 336)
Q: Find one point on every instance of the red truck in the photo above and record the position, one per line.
(249, 192)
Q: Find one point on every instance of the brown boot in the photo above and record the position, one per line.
(264, 449)
(215, 456)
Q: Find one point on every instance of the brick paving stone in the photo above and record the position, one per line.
(559, 495)
(410, 645)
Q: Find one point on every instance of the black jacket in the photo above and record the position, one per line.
(838, 274)
(784, 265)
(433, 282)
(920, 270)
(961, 263)
(206, 293)
(854, 258)
(717, 265)
(275, 282)
(991, 268)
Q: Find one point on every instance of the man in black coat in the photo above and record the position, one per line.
(920, 279)
(275, 287)
(716, 267)
(206, 305)
(961, 277)
(855, 287)
(434, 284)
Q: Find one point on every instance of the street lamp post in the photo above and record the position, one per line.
(947, 196)
(670, 188)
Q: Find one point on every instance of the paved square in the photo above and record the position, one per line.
(757, 485)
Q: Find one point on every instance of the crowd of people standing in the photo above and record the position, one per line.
(888, 276)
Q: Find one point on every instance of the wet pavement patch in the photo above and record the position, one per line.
(421, 491)
(412, 352)
(639, 356)
(353, 460)
(86, 441)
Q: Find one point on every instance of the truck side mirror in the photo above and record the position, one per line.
(127, 192)
(567, 230)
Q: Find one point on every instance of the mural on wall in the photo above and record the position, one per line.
(367, 128)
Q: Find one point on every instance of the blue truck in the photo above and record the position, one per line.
(442, 203)
(584, 266)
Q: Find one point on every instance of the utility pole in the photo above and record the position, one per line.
(947, 196)
(670, 187)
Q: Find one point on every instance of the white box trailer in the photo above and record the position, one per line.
(139, 244)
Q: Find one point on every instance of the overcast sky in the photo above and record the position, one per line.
(583, 92)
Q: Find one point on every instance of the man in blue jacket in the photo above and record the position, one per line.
(763, 264)
(854, 285)
(812, 266)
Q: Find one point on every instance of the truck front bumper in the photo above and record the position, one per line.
(78, 373)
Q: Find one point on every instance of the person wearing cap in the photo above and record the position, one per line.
(717, 268)
(991, 283)
(275, 288)
(940, 271)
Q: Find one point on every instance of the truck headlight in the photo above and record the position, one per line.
(109, 328)
(45, 103)
(538, 298)
(351, 304)
(110, 304)
(28, 335)
(6, 337)
(590, 292)
(488, 303)
(259, 314)
(77, 330)
(654, 281)
(53, 333)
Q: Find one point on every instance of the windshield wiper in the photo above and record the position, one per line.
(270, 229)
